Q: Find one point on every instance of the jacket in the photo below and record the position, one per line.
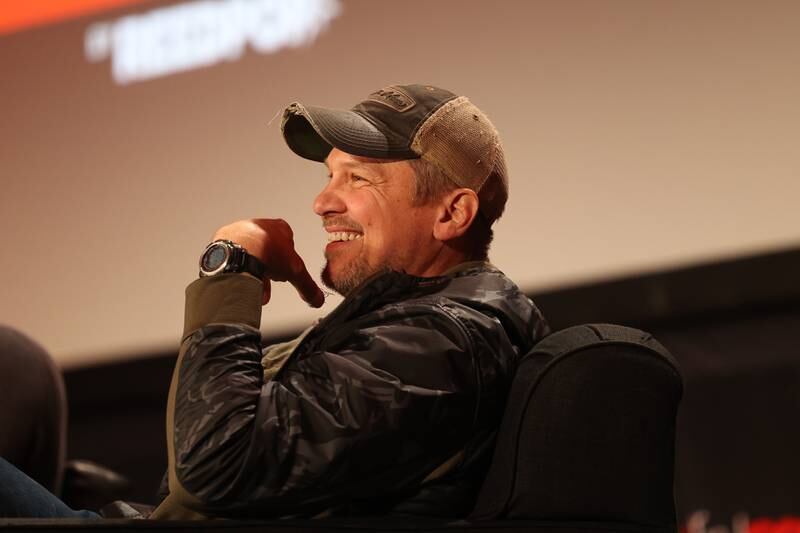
(388, 405)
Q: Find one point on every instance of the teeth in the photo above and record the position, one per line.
(343, 236)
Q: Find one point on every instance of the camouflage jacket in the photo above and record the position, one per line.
(387, 405)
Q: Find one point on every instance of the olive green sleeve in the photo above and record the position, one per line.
(223, 299)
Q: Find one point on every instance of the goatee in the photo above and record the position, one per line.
(353, 275)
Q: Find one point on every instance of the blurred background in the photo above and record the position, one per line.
(655, 181)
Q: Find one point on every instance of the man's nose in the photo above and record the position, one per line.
(329, 201)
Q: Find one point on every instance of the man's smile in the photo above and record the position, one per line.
(336, 236)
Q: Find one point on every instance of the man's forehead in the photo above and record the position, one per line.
(357, 160)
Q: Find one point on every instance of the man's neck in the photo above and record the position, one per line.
(445, 259)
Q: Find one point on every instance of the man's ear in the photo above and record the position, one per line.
(456, 212)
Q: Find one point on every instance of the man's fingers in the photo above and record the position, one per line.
(282, 263)
(305, 284)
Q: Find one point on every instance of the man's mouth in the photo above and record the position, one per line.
(337, 236)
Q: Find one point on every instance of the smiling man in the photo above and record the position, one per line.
(389, 404)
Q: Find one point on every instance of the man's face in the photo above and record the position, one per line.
(367, 209)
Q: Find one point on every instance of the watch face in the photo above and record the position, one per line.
(214, 257)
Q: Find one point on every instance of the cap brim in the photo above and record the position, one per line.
(311, 132)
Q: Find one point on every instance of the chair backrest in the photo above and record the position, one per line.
(33, 414)
(589, 432)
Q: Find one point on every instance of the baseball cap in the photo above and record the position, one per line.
(409, 122)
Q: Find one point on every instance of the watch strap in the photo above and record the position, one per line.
(252, 265)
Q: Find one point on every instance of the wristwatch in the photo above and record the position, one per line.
(225, 256)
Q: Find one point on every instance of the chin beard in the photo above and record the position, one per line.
(354, 275)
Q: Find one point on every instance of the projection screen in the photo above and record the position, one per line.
(640, 136)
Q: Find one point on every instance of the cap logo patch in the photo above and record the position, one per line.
(394, 98)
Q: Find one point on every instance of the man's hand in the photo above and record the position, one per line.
(271, 240)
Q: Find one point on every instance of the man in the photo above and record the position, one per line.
(390, 403)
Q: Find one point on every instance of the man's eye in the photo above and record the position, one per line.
(356, 177)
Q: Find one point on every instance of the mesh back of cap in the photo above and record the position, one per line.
(461, 141)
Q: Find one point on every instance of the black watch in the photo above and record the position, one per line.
(223, 256)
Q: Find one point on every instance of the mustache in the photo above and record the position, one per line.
(342, 221)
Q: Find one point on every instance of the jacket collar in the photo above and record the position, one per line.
(392, 286)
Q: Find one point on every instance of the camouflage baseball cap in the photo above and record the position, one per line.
(409, 122)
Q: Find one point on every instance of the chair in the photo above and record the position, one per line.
(588, 434)
(33, 416)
